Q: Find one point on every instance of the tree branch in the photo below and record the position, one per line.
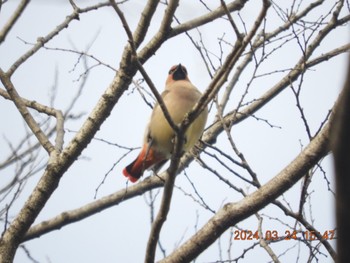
(58, 164)
(42, 138)
(103, 203)
(144, 23)
(232, 213)
(142, 70)
(260, 42)
(165, 31)
(46, 110)
(41, 41)
(13, 19)
(221, 75)
(202, 20)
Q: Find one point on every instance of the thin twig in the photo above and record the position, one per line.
(142, 70)
(33, 125)
(179, 139)
(264, 244)
(41, 41)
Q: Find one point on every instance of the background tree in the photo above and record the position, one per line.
(84, 75)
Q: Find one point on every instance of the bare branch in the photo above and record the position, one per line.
(233, 24)
(97, 206)
(265, 244)
(13, 19)
(42, 138)
(202, 20)
(232, 213)
(142, 70)
(41, 41)
(308, 226)
(231, 59)
(47, 110)
(144, 22)
(58, 164)
(260, 42)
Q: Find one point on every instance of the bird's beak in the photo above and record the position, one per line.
(179, 73)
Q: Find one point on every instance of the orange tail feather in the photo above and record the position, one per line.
(146, 159)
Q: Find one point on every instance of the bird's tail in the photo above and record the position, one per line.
(145, 160)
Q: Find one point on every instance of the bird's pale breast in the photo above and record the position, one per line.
(179, 98)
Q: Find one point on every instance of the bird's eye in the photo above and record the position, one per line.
(172, 70)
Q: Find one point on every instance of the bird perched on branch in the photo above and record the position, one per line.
(179, 97)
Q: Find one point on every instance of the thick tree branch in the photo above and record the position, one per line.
(232, 213)
(165, 31)
(12, 237)
(144, 23)
(59, 164)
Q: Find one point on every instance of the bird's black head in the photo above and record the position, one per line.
(178, 72)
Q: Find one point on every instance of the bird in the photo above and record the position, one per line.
(179, 97)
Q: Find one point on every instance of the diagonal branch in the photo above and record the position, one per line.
(308, 226)
(59, 163)
(179, 139)
(33, 125)
(47, 110)
(141, 69)
(232, 22)
(166, 198)
(207, 18)
(144, 23)
(166, 32)
(13, 19)
(231, 59)
(260, 42)
(232, 213)
(41, 42)
(76, 215)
